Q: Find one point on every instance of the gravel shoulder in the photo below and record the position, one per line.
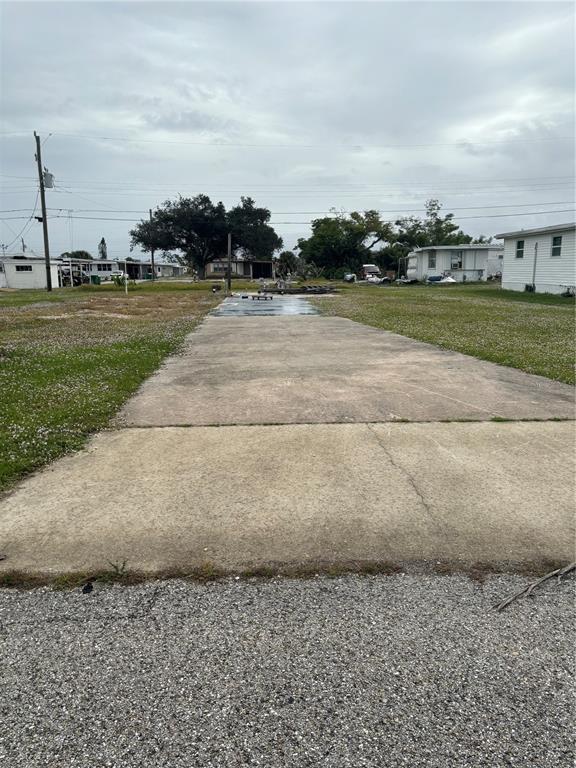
(404, 670)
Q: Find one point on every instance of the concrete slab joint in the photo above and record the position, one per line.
(303, 441)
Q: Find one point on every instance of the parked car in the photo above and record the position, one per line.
(369, 270)
(116, 273)
(78, 278)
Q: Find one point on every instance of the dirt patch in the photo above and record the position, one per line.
(85, 313)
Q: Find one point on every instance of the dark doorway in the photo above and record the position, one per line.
(261, 269)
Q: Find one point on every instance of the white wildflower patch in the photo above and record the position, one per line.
(66, 366)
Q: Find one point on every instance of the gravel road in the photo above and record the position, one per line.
(385, 671)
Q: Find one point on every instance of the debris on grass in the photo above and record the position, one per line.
(559, 573)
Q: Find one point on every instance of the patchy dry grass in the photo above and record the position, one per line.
(70, 359)
(532, 332)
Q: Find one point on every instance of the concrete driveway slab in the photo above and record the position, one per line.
(306, 369)
(241, 497)
(255, 305)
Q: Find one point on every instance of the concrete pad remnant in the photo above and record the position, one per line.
(241, 497)
(314, 370)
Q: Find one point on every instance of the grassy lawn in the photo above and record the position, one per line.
(68, 360)
(533, 332)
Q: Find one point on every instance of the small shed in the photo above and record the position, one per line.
(26, 272)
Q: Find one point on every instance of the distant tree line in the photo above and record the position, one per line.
(343, 242)
(197, 230)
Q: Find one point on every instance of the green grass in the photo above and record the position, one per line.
(69, 360)
(532, 332)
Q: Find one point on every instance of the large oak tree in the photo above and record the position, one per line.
(198, 230)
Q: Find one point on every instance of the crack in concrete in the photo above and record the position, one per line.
(119, 427)
(410, 478)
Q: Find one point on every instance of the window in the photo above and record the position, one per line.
(519, 249)
(556, 245)
(456, 260)
(431, 261)
(23, 267)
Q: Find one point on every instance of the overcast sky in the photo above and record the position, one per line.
(303, 106)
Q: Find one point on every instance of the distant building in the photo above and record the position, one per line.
(136, 270)
(244, 268)
(473, 262)
(26, 272)
(23, 271)
(542, 259)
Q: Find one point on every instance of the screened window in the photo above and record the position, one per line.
(431, 261)
(23, 267)
(557, 245)
(519, 249)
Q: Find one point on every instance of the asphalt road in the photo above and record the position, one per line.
(404, 670)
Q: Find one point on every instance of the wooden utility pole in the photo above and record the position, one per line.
(44, 217)
(152, 252)
(229, 271)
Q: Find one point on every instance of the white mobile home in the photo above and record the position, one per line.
(462, 262)
(136, 270)
(26, 272)
(542, 260)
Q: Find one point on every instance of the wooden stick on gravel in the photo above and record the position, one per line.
(527, 591)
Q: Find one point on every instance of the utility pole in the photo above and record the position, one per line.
(44, 217)
(229, 271)
(152, 252)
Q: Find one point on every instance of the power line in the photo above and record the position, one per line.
(460, 218)
(354, 146)
(415, 189)
(380, 210)
(21, 233)
(252, 184)
(305, 213)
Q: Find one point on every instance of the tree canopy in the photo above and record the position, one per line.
(198, 229)
(287, 264)
(344, 242)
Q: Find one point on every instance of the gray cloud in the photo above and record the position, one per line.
(343, 79)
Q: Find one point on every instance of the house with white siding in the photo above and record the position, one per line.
(248, 269)
(26, 272)
(542, 260)
(23, 271)
(472, 262)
